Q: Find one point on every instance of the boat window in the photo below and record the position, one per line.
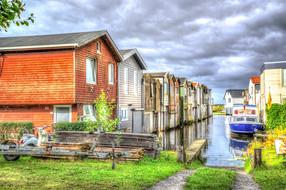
(238, 119)
(251, 119)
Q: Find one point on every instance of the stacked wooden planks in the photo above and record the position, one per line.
(127, 146)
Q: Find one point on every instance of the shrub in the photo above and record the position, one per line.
(14, 130)
(276, 116)
(75, 126)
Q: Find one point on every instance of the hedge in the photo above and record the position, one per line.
(14, 130)
(75, 126)
(276, 116)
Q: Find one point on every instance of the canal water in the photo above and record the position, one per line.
(223, 149)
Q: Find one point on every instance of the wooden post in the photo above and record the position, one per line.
(257, 157)
(113, 156)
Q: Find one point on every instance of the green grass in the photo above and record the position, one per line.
(32, 173)
(211, 178)
(272, 175)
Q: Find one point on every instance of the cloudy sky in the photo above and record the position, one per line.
(220, 43)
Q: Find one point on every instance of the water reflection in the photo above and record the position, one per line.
(223, 147)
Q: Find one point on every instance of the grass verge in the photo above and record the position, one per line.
(32, 173)
(211, 178)
(272, 174)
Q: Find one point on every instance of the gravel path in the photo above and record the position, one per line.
(175, 182)
(244, 181)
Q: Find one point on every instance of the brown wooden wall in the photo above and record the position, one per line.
(87, 93)
(37, 78)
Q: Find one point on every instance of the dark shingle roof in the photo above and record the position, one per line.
(235, 93)
(53, 39)
(56, 41)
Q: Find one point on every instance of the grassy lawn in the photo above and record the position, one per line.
(211, 178)
(272, 175)
(32, 173)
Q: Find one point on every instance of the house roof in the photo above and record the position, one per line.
(159, 74)
(273, 65)
(55, 41)
(235, 93)
(255, 79)
(126, 53)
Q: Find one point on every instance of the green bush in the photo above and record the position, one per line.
(75, 126)
(276, 116)
(14, 130)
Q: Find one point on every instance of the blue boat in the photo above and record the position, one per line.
(245, 124)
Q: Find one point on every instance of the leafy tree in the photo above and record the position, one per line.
(10, 13)
(104, 112)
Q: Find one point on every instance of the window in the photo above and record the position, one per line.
(89, 112)
(238, 119)
(98, 47)
(136, 83)
(110, 74)
(124, 114)
(62, 114)
(252, 119)
(229, 100)
(125, 81)
(91, 71)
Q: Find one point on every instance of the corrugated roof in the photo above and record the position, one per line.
(255, 79)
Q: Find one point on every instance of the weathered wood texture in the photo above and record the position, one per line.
(135, 93)
(122, 140)
(194, 150)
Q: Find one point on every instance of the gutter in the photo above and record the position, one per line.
(24, 48)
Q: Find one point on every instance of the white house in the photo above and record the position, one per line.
(232, 97)
(254, 90)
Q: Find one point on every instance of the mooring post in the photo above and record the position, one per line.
(113, 157)
(257, 157)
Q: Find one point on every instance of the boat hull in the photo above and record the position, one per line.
(245, 127)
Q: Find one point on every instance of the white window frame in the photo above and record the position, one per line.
(62, 106)
(91, 110)
(111, 73)
(98, 47)
(124, 111)
(125, 81)
(135, 75)
(95, 70)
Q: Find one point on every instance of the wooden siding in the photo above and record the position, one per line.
(87, 93)
(37, 78)
(131, 98)
(38, 114)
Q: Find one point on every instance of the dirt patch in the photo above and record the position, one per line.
(175, 182)
(244, 181)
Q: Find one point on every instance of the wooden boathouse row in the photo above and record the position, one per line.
(172, 102)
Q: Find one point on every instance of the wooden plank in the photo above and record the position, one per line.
(195, 149)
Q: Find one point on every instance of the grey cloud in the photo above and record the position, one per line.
(220, 43)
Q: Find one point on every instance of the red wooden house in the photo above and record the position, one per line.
(52, 78)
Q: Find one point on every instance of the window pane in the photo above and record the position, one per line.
(62, 114)
(110, 73)
(90, 70)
